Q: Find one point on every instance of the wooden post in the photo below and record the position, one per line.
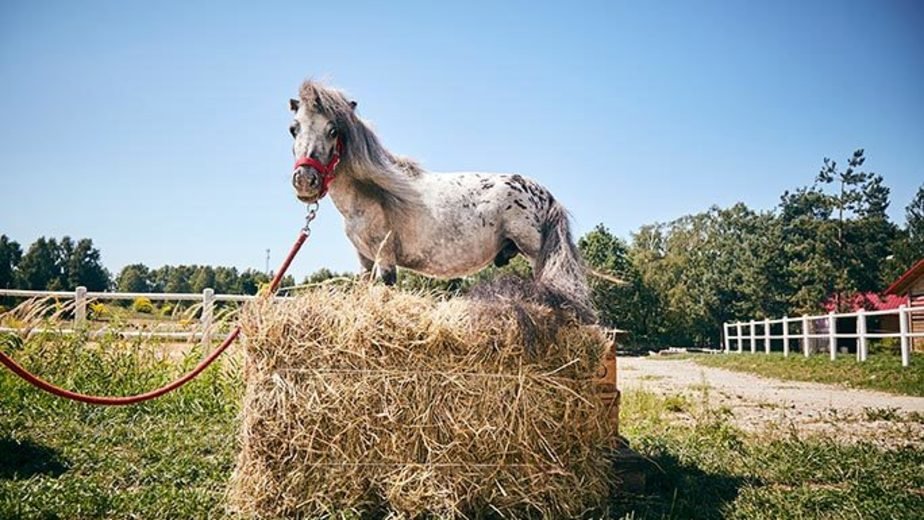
(753, 338)
(725, 337)
(766, 336)
(740, 340)
(861, 335)
(80, 306)
(903, 328)
(208, 304)
(805, 336)
(785, 336)
(607, 386)
(832, 335)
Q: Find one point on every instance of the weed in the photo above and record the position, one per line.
(676, 403)
(882, 414)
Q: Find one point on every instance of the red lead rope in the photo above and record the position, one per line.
(132, 399)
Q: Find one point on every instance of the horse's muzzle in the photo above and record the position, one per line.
(307, 184)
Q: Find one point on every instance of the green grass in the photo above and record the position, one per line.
(706, 468)
(167, 458)
(880, 371)
(171, 458)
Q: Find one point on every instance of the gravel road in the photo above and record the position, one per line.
(759, 404)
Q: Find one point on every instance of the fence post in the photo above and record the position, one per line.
(753, 338)
(725, 337)
(740, 339)
(805, 336)
(832, 335)
(208, 304)
(861, 335)
(80, 306)
(785, 336)
(903, 328)
(766, 336)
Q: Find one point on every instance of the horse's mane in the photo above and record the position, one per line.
(409, 166)
(364, 158)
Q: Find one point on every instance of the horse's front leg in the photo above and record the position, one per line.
(387, 273)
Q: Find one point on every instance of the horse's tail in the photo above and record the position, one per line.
(560, 272)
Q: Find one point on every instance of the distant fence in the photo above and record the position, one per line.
(81, 297)
(803, 329)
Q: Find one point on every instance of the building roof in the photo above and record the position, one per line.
(906, 280)
(869, 301)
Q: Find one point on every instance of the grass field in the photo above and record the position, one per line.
(171, 458)
(879, 372)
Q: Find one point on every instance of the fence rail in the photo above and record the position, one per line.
(802, 329)
(81, 297)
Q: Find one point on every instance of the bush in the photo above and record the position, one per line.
(166, 310)
(98, 310)
(143, 305)
(885, 346)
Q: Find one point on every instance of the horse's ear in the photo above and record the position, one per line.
(353, 105)
(293, 105)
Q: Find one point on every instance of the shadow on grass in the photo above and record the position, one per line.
(21, 460)
(678, 490)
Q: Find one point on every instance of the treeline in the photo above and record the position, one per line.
(51, 264)
(192, 278)
(822, 244)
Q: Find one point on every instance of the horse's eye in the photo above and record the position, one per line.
(332, 133)
(293, 129)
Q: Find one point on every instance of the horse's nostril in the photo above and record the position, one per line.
(304, 179)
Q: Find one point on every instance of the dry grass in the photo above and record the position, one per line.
(378, 401)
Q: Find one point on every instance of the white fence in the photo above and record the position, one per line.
(81, 297)
(801, 331)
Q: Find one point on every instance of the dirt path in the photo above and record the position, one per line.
(766, 405)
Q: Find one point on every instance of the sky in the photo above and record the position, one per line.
(160, 129)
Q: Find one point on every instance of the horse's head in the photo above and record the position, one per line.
(318, 129)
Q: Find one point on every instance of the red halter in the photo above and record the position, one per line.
(326, 170)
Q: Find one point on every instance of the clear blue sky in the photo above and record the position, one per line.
(160, 131)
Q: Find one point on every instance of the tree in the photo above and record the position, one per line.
(914, 229)
(83, 266)
(203, 278)
(177, 279)
(914, 221)
(633, 306)
(134, 278)
(908, 244)
(225, 279)
(863, 232)
(809, 245)
(40, 267)
(251, 280)
(10, 256)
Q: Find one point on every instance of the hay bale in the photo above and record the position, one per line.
(374, 400)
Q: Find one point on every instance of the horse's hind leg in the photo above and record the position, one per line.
(507, 252)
